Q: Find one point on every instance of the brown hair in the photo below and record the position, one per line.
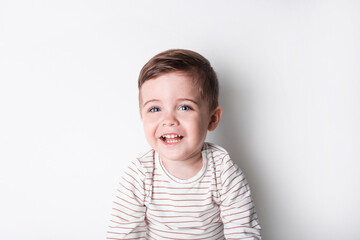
(186, 61)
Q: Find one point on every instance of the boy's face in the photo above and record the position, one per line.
(175, 117)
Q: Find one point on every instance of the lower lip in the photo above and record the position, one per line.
(171, 143)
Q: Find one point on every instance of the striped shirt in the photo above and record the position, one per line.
(214, 204)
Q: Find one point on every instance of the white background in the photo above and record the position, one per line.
(69, 122)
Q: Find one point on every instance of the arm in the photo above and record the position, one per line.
(237, 208)
(128, 214)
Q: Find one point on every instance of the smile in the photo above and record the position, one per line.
(171, 138)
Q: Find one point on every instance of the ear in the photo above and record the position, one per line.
(140, 104)
(215, 118)
(140, 114)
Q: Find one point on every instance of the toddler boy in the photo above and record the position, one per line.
(183, 188)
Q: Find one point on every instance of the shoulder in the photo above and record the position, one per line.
(146, 158)
(220, 157)
(214, 147)
(215, 152)
(143, 164)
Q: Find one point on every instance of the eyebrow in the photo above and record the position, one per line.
(180, 99)
(188, 99)
(152, 100)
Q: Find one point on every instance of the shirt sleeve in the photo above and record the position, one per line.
(237, 207)
(128, 214)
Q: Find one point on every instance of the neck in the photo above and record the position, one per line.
(183, 169)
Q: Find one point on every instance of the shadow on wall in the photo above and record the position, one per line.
(234, 131)
(237, 134)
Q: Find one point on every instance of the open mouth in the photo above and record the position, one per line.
(171, 138)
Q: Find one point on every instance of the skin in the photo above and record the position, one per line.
(170, 105)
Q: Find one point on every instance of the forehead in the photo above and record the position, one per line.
(176, 84)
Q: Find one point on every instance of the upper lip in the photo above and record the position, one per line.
(171, 135)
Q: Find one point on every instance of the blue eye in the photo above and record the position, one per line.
(185, 108)
(154, 109)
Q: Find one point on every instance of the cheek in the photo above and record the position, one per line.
(203, 125)
(149, 125)
(198, 125)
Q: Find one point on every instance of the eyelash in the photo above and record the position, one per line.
(157, 109)
(185, 106)
(154, 109)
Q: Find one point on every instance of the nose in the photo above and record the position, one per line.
(170, 119)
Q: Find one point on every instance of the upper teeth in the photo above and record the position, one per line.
(171, 136)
